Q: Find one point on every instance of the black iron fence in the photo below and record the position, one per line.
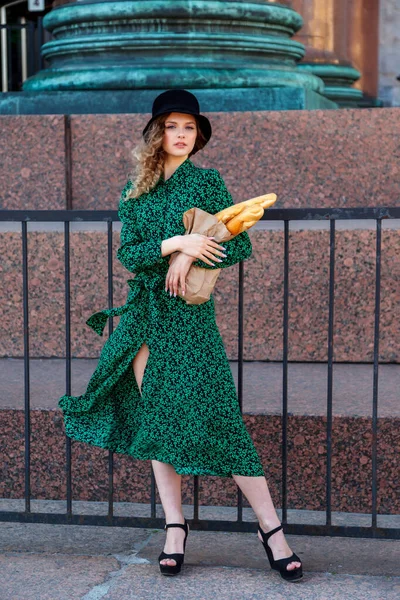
(20, 55)
(285, 215)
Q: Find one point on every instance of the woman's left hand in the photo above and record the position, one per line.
(179, 265)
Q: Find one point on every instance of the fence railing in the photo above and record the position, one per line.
(286, 215)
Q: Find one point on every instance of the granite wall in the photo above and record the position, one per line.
(306, 473)
(342, 158)
(345, 158)
(309, 158)
(263, 295)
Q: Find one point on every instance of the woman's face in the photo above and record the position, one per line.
(180, 132)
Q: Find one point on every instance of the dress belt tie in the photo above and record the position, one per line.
(146, 280)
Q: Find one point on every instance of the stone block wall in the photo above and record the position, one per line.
(314, 158)
(345, 158)
(306, 475)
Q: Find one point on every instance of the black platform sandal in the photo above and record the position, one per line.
(281, 563)
(178, 557)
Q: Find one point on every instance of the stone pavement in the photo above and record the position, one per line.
(75, 562)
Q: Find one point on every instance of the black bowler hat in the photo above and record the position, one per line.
(179, 101)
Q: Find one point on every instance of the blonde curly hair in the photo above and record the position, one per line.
(150, 157)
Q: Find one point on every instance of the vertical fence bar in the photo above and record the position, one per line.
(196, 490)
(67, 147)
(68, 161)
(376, 366)
(27, 414)
(68, 356)
(110, 282)
(9, 57)
(153, 513)
(31, 48)
(3, 50)
(240, 335)
(285, 369)
(328, 499)
(240, 372)
(39, 30)
(24, 50)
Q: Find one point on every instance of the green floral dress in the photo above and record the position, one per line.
(188, 414)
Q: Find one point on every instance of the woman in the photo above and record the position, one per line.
(163, 389)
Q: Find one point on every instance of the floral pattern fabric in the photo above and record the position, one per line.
(188, 414)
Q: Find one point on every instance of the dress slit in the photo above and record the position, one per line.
(145, 366)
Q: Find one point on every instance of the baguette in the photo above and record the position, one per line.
(232, 211)
(245, 219)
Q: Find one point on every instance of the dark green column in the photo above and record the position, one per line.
(159, 44)
(339, 77)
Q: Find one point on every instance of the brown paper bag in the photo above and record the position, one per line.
(200, 282)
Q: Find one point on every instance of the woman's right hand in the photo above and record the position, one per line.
(202, 247)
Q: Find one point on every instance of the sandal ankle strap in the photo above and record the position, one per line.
(267, 535)
(184, 526)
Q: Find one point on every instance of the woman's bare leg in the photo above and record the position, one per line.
(169, 487)
(257, 493)
(139, 363)
(167, 479)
